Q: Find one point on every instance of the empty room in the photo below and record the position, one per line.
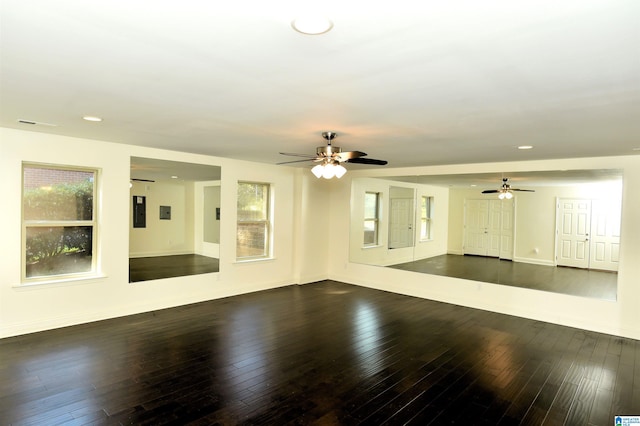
(342, 214)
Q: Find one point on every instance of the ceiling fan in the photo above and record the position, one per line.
(505, 191)
(330, 157)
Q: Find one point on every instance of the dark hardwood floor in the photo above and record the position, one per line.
(153, 268)
(557, 279)
(324, 353)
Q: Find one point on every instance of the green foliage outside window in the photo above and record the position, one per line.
(65, 247)
(64, 201)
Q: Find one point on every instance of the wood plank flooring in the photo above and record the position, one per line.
(326, 353)
(154, 268)
(557, 279)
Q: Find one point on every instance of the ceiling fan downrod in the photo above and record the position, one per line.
(328, 150)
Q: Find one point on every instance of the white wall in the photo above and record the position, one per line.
(535, 217)
(163, 237)
(440, 220)
(381, 254)
(311, 226)
(311, 220)
(26, 309)
(621, 317)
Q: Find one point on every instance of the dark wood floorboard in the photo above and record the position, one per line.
(326, 353)
(557, 279)
(154, 268)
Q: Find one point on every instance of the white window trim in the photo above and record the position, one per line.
(376, 221)
(428, 218)
(94, 273)
(268, 223)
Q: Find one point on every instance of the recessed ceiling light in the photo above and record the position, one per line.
(91, 118)
(312, 25)
(174, 177)
(525, 147)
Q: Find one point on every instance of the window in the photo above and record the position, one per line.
(426, 218)
(59, 222)
(371, 216)
(253, 234)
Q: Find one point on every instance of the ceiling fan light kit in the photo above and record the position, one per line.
(330, 158)
(329, 170)
(505, 192)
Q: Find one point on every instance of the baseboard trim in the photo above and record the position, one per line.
(458, 252)
(159, 254)
(532, 261)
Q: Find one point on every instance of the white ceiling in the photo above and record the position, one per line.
(519, 179)
(432, 82)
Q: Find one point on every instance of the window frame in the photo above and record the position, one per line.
(375, 220)
(47, 223)
(426, 220)
(267, 223)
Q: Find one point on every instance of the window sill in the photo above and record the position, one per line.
(371, 247)
(65, 282)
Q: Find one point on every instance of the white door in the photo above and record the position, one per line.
(400, 223)
(507, 226)
(605, 235)
(494, 224)
(476, 218)
(573, 228)
(489, 228)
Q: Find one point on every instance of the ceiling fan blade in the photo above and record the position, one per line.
(490, 191)
(347, 155)
(142, 180)
(298, 155)
(298, 161)
(360, 160)
(523, 190)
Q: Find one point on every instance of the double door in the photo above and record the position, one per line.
(588, 234)
(489, 228)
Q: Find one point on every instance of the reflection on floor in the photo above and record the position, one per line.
(558, 279)
(327, 353)
(153, 268)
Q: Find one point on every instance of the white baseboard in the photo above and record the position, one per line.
(542, 262)
(159, 253)
(530, 260)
